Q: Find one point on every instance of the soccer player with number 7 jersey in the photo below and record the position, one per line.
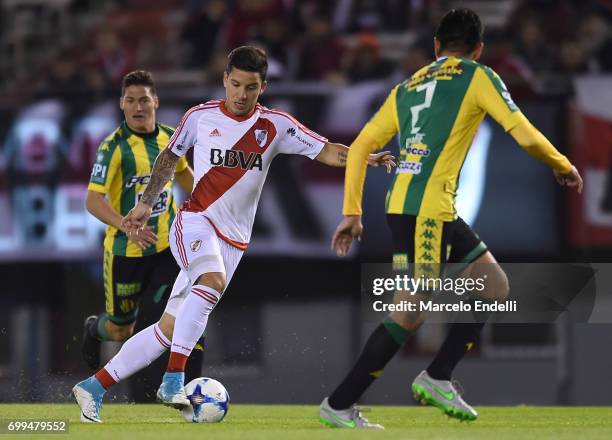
(234, 142)
(436, 113)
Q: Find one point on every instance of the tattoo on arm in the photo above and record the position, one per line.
(342, 158)
(163, 170)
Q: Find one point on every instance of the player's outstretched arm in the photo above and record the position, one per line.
(163, 170)
(336, 155)
(536, 144)
(376, 133)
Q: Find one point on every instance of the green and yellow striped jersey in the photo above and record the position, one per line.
(436, 112)
(124, 161)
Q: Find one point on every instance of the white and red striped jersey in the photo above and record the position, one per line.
(231, 158)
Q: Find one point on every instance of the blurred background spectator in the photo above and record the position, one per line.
(320, 50)
(247, 18)
(203, 32)
(111, 56)
(364, 61)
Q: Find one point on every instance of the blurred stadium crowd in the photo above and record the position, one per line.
(82, 48)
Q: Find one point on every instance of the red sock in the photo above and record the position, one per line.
(105, 379)
(176, 363)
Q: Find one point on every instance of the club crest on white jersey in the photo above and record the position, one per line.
(261, 136)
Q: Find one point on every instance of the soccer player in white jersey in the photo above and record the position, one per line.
(234, 143)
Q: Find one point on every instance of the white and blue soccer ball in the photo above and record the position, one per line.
(209, 401)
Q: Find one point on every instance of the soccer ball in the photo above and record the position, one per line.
(209, 401)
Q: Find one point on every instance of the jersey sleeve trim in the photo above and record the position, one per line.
(318, 147)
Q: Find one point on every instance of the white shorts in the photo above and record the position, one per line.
(197, 249)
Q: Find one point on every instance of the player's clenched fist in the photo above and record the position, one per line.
(572, 178)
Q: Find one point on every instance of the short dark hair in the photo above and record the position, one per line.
(250, 59)
(460, 30)
(138, 78)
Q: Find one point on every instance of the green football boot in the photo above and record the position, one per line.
(346, 418)
(443, 395)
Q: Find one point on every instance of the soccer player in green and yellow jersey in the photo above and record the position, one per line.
(436, 113)
(134, 263)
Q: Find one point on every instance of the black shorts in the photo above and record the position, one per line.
(126, 279)
(423, 241)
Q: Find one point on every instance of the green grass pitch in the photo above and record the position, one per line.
(271, 422)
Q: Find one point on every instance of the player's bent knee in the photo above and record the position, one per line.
(214, 280)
